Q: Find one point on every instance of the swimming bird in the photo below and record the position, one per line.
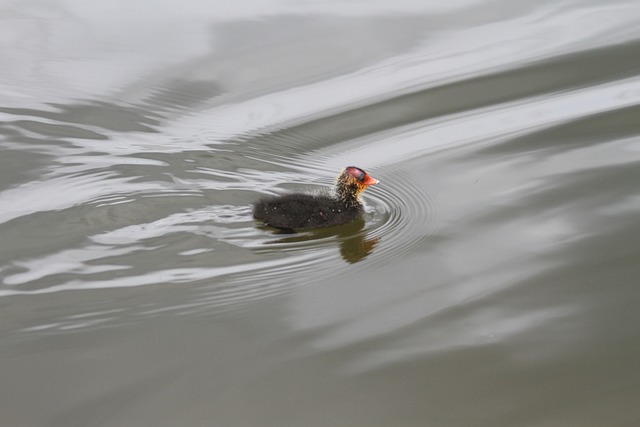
(302, 211)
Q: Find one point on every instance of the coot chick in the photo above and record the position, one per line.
(299, 211)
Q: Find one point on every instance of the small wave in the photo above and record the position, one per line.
(402, 216)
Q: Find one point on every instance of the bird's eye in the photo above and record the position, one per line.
(360, 175)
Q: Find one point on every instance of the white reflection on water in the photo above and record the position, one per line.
(444, 58)
(171, 275)
(490, 124)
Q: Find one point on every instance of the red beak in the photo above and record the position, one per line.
(369, 180)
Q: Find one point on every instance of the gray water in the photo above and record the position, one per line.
(495, 278)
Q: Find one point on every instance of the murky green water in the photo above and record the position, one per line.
(494, 280)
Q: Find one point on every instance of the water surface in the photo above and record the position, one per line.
(493, 280)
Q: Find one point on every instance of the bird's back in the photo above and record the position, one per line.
(296, 211)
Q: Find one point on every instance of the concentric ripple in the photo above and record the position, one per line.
(398, 219)
(401, 215)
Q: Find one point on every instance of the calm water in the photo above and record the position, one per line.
(495, 279)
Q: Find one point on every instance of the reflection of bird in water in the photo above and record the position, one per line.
(354, 246)
(357, 248)
(302, 211)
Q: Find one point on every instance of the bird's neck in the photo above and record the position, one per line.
(349, 195)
